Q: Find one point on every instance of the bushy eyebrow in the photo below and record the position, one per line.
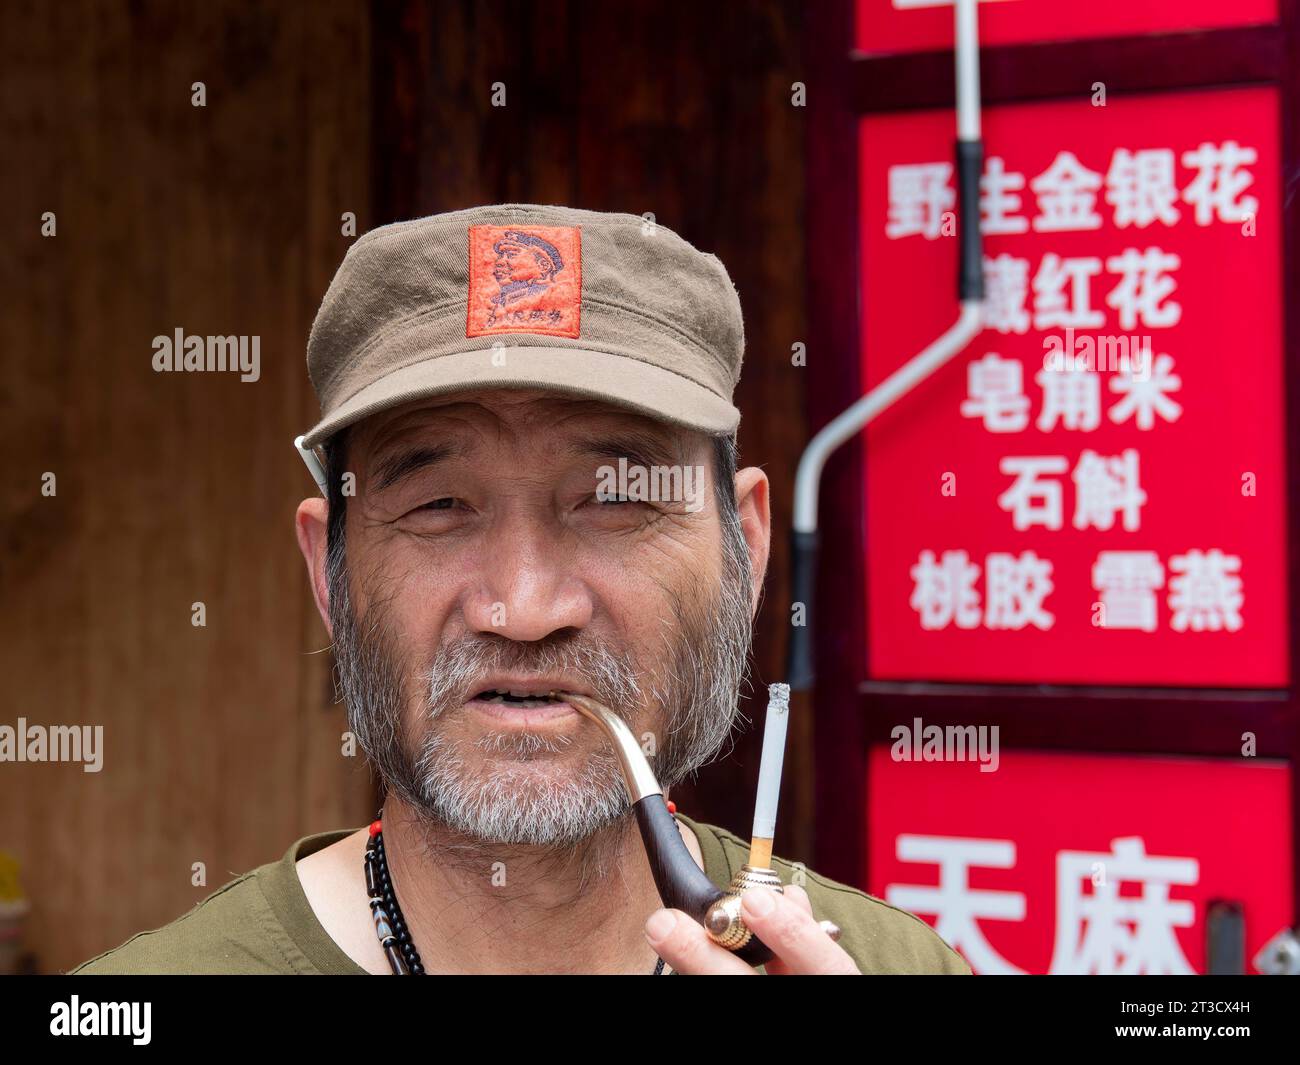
(403, 463)
(640, 449)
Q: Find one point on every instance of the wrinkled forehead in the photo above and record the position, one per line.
(533, 423)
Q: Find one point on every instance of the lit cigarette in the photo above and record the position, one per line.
(769, 776)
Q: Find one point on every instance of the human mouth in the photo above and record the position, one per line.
(521, 706)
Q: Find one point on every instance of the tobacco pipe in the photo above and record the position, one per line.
(682, 884)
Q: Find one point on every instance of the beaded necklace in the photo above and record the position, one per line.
(390, 925)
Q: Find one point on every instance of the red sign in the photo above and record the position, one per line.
(921, 25)
(1094, 490)
(1015, 870)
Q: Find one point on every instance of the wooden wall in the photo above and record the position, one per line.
(222, 744)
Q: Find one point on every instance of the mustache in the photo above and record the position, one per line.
(461, 668)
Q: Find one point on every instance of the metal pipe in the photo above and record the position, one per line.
(842, 428)
(681, 883)
(967, 45)
(970, 296)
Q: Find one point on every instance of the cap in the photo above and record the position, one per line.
(604, 306)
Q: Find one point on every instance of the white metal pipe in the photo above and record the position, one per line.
(961, 333)
(968, 70)
(901, 381)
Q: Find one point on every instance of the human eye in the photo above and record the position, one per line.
(436, 513)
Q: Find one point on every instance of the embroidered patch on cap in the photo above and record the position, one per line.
(524, 279)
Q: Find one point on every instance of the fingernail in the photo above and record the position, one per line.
(660, 925)
(759, 901)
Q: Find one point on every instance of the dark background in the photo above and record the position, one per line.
(222, 742)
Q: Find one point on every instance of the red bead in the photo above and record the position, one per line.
(376, 827)
(672, 807)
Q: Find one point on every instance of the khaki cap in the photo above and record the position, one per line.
(606, 306)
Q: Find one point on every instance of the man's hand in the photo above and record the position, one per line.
(783, 921)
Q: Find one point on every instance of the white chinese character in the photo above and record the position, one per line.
(1105, 485)
(1206, 595)
(1127, 581)
(1215, 189)
(918, 197)
(1141, 188)
(1147, 396)
(998, 199)
(945, 592)
(995, 392)
(1071, 396)
(1140, 294)
(1067, 194)
(1006, 286)
(1014, 589)
(957, 906)
(1027, 489)
(1105, 932)
(1053, 307)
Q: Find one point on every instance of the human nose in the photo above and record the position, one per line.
(527, 588)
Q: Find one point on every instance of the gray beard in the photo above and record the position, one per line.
(441, 779)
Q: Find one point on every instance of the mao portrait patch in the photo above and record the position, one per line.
(524, 279)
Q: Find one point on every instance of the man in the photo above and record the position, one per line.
(525, 266)
(474, 555)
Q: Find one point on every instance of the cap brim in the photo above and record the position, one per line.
(617, 379)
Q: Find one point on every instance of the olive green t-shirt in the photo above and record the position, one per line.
(262, 923)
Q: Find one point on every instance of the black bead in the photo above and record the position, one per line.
(386, 898)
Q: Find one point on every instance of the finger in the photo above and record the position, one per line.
(799, 897)
(792, 934)
(684, 945)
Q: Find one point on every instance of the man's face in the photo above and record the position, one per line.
(485, 567)
(517, 263)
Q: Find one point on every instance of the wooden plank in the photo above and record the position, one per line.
(172, 488)
(834, 382)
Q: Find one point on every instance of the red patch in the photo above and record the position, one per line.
(524, 279)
